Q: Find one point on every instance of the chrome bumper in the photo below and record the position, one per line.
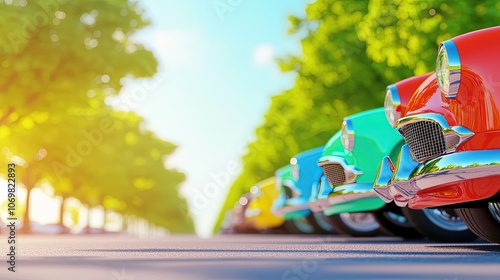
(342, 194)
(318, 201)
(348, 191)
(351, 192)
(291, 205)
(410, 177)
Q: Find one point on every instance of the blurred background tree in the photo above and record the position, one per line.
(60, 60)
(351, 50)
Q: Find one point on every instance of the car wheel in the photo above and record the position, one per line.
(298, 226)
(484, 222)
(440, 224)
(393, 222)
(355, 224)
(320, 223)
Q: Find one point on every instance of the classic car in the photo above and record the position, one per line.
(252, 213)
(452, 129)
(259, 214)
(350, 162)
(295, 182)
(234, 220)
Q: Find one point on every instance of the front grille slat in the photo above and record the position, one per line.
(334, 173)
(425, 139)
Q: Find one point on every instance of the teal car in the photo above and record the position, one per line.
(350, 163)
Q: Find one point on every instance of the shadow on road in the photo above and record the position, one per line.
(495, 248)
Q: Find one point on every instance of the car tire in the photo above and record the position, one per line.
(320, 223)
(484, 222)
(393, 222)
(298, 226)
(355, 224)
(439, 224)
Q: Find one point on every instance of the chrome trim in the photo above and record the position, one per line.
(351, 172)
(383, 178)
(341, 194)
(401, 201)
(403, 170)
(295, 172)
(290, 208)
(454, 68)
(454, 136)
(351, 192)
(410, 177)
(494, 208)
(319, 205)
(392, 103)
(295, 168)
(347, 134)
(319, 199)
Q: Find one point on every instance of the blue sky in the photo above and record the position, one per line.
(217, 74)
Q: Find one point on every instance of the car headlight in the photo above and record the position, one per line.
(347, 135)
(255, 191)
(448, 69)
(392, 105)
(243, 201)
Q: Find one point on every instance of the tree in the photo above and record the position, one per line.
(404, 35)
(58, 54)
(60, 61)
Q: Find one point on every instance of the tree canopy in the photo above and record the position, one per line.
(60, 61)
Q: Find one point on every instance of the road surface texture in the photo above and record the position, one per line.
(246, 257)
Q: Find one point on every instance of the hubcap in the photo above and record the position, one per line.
(397, 219)
(320, 219)
(303, 226)
(495, 210)
(362, 222)
(444, 219)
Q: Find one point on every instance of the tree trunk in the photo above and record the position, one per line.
(26, 217)
(104, 218)
(29, 183)
(87, 228)
(61, 210)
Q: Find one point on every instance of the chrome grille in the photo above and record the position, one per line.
(334, 173)
(425, 139)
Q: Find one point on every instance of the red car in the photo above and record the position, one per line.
(451, 126)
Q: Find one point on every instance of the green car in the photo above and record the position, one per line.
(349, 162)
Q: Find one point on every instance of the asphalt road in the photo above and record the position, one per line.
(246, 257)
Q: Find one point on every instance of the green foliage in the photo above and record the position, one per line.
(351, 50)
(404, 35)
(60, 60)
(57, 54)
